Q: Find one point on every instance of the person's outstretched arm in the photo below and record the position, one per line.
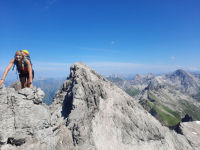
(30, 73)
(7, 70)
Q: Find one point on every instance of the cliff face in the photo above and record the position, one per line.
(88, 112)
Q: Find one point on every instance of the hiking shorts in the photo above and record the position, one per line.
(26, 74)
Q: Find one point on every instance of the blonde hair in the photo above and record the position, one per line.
(23, 56)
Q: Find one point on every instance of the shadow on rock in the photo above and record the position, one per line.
(67, 106)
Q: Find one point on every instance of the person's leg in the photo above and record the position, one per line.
(23, 82)
(28, 80)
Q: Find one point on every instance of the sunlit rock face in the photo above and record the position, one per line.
(88, 112)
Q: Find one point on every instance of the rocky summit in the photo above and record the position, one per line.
(87, 113)
(182, 80)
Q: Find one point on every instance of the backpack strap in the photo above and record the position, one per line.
(28, 57)
(15, 64)
(25, 65)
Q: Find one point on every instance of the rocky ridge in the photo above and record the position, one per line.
(168, 104)
(179, 79)
(182, 80)
(135, 86)
(139, 82)
(88, 112)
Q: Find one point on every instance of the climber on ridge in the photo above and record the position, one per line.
(24, 67)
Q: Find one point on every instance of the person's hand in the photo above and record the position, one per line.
(2, 81)
(30, 85)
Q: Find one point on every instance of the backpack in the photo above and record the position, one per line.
(27, 56)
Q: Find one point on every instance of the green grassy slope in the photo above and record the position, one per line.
(132, 91)
(191, 109)
(166, 115)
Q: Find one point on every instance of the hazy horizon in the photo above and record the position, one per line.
(127, 37)
(12, 76)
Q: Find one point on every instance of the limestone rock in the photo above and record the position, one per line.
(100, 115)
(88, 112)
(16, 85)
(191, 130)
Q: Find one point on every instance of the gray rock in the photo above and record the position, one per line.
(16, 85)
(99, 115)
(20, 118)
(191, 130)
(88, 112)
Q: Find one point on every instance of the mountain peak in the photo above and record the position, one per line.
(179, 72)
(184, 81)
(149, 75)
(154, 83)
(138, 76)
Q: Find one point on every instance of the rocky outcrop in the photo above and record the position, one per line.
(25, 122)
(16, 85)
(88, 112)
(191, 131)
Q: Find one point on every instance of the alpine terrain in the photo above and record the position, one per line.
(48, 85)
(89, 113)
(168, 97)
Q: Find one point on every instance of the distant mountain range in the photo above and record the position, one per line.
(180, 79)
(168, 97)
(50, 86)
(122, 76)
(196, 74)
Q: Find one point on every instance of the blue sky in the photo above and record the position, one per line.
(127, 37)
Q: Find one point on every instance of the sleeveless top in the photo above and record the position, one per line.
(20, 69)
